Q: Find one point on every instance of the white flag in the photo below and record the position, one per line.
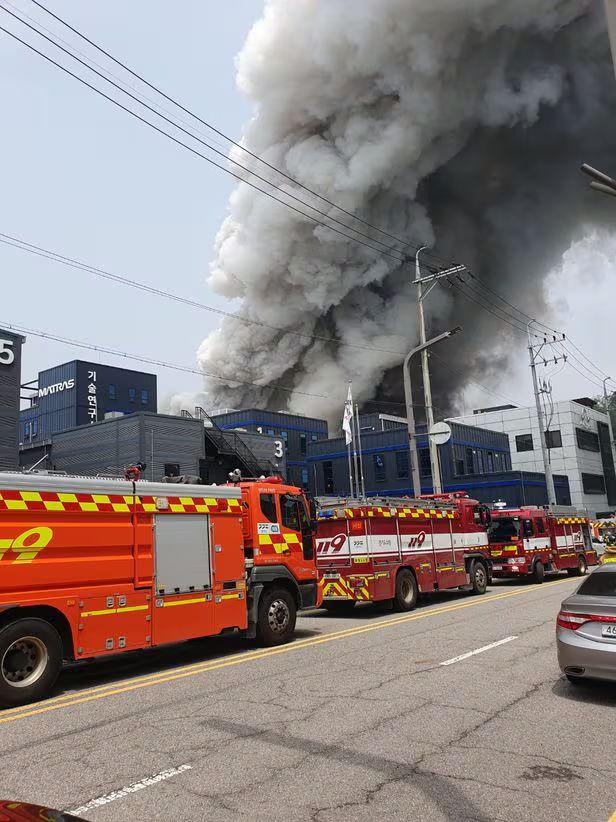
(347, 417)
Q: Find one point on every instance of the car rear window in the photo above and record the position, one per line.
(599, 585)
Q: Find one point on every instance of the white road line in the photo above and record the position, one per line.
(479, 650)
(147, 782)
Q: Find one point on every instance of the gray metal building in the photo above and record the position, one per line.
(10, 382)
(168, 445)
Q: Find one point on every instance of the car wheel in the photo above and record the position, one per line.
(479, 577)
(538, 573)
(30, 659)
(405, 598)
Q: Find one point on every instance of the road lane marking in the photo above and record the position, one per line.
(104, 691)
(146, 782)
(478, 650)
(612, 817)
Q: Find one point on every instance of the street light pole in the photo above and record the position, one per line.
(425, 367)
(408, 399)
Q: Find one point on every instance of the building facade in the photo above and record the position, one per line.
(81, 393)
(579, 446)
(293, 433)
(10, 382)
(474, 460)
(168, 445)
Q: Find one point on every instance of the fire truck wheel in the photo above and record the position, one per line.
(581, 569)
(479, 577)
(31, 655)
(538, 573)
(405, 598)
(277, 614)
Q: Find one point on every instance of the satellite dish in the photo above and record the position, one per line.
(440, 433)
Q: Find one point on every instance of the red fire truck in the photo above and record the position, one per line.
(533, 541)
(395, 548)
(92, 567)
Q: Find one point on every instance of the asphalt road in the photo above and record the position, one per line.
(357, 719)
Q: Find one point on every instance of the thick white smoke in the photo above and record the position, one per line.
(455, 124)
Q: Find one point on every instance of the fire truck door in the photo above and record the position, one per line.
(446, 573)
(117, 621)
(183, 583)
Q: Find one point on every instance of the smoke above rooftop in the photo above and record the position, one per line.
(457, 125)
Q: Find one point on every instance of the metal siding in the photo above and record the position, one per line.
(176, 440)
(10, 381)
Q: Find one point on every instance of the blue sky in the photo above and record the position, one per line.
(85, 179)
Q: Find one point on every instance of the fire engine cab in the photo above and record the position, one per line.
(92, 567)
(532, 541)
(395, 548)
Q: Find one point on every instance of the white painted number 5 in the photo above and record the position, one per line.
(7, 355)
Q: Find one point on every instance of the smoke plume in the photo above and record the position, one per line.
(457, 125)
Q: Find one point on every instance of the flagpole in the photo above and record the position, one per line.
(346, 426)
(357, 492)
(361, 458)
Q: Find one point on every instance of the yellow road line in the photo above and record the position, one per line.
(104, 691)
(612, 817)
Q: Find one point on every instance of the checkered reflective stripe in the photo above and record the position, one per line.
(281, 542)
(571, 520)
(386, 513)
(113, 503)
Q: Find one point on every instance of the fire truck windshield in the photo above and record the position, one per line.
(503, 529)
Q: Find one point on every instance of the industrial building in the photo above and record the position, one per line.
(168, 445)
(81, 393)
(10, 381)
(293, 432)
(579, 445)
(475, 460)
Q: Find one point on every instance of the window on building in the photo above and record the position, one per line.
(111, 391)
(34, 428)
(305, 477)
(587, 440)
(490, 462)
(402, 464)
(26, 431)
(470, 463)
(268, 507)
(145, 396)
(284, 435)
(553, 439)
(593, 483)
(524, 442)
(379, 468)
(302, 443)
(459, 468)
(172, 469)
(425, 468)
(132, 394)
(328, 477)
(270, 432)
(479, 463)
(313, 438)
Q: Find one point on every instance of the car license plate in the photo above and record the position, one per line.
(497, 567)
(609, 630)
(331, 576)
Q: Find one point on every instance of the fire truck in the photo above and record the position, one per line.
(396, 548)
(93, 567)
(533, 541)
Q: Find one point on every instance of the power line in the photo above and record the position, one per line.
(198, 153)
(47, 335)
(220, 133)
(22, 245)
(387, 249)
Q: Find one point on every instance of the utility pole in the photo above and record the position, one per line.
(609, 418)
(425, 367)
(549, 479)
(408, 400)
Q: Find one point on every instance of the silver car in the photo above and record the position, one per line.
(586, 628)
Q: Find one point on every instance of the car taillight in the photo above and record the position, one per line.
(566, 619)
